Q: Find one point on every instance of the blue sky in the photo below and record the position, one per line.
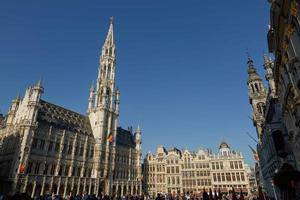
(181, 65)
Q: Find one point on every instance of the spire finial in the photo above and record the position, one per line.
(138, 129)
(40, 83)
(109, 41)
(111, 20)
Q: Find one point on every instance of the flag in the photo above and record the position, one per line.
(22, 168)
(110, 138)
(255, 155)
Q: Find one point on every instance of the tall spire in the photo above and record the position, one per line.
(109, 41)
(104, 92)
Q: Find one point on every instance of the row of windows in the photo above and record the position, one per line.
(187, 166)
(160, 178)
(173, 170)
(174, 180)
(172, 161)
(160, 168)
(203, 173)
(234, 176)
(236, 165)
(64, 170)
(188, 174)
(66, 149)
(191, 174)
(202, 165)
(214, 166)
(197, 165)
(229, 186)
(124, 174)
(200, 157)
(217, 165)
(198, 182)
(125, 159)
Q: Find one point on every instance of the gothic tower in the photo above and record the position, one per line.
(102, 101)
(103, 109)
(257, 97)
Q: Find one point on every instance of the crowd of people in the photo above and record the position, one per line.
(187, 196)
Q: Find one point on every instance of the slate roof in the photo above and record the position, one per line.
(125, 138)
(64, 118)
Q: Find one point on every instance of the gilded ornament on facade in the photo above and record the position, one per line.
(285, 45)
(294, 8)
(290, 30)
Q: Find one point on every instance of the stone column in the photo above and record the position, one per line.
(117, 188)
(122, 189)
(43, 186)
(96, 188)
(33, 189)
(51, 184)
(25, 184)
(66, 185)
(90, 186)
(84, 185)
(72, 186)
(76, 190)
(58, 187)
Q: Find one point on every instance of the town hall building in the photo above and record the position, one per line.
(45, 148)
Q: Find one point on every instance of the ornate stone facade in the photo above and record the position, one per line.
(184, 171)
(278, 122)
(267, 120)
(284, 43)
(46, 148)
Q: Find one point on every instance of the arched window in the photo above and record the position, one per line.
(259, 109)
(256, 87)
(104, 71)
(108, 72)
(252, 87)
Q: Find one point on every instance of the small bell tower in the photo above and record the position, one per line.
(257, 96)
